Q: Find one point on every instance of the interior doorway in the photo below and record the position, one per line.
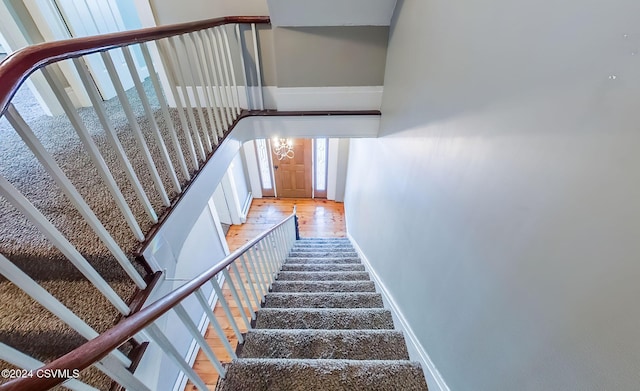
(293, 175)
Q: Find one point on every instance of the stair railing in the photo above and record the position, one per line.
(214, 99)
(191, 71)
(260, 260)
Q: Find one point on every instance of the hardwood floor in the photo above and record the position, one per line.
(316, 218)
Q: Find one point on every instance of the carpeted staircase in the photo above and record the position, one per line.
(323, 327)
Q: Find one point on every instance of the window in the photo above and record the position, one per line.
(264, 165)
(320, 167)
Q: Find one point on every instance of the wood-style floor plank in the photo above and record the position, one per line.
(316, 218)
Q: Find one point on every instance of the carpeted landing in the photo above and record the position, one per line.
(323, 327)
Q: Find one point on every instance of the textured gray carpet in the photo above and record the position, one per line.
(24, 324)
(319, 334)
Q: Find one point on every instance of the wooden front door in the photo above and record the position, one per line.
(293, 176)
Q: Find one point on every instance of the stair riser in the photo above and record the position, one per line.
(315, 240)
(322, 276)
(322, 254)
(335, 300)
(324, 319)
(340, 345)
(311, 249)
(323, 286)
(322, 260)
(320, 267)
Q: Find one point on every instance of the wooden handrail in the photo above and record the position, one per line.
(16, 68)
(99, 347)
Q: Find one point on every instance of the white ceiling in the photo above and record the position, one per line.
(297, 13)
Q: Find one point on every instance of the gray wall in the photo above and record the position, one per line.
(501, 203)
(330, 56)
(168, 12)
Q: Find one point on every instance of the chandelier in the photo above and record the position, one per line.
(283, 148)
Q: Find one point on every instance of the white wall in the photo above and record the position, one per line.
(236, 169)
(501, 204)
(168, 12)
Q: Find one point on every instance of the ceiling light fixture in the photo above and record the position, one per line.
(283, 148)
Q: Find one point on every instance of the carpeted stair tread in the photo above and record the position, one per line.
(322, 276)
(323, 239)
(322, 260)
(321, 318)
(328, 375)
(308, 249)
(323, 254)
(323, 286)
(327, 246)
(328, 267)
(324, 300)
(325, 344)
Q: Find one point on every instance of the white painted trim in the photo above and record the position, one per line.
(218, 224)
(252, 168)
(245, 208)
(306, 98)
(329, 98)
(435, 382)
(230, 191)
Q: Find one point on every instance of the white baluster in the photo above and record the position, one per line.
(155, 132)
(171, 57)
(165, 110)
(234, 83)
(214, 83)
(135, 128)
(112, 137)
(195, 333)
(120, 374)
(257, 61)
(214, 322)
(236, 297)
(243, 288)
(196, 95)
(224, 73)
(241, 46)
(219, 77)
(180, 79)
(165, 344)
(255, 265)
(205, 81)
(253, 281)
(225, 307)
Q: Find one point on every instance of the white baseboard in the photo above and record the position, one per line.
(300, 98)
(245, 208)
(329, 98)
(435, 382)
